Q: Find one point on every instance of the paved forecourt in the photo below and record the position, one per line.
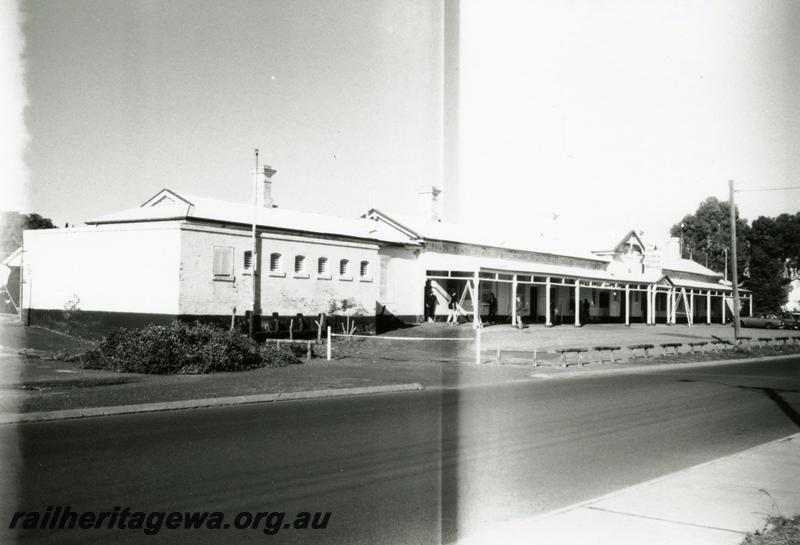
(545, 342)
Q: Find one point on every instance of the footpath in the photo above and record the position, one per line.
(716, 503)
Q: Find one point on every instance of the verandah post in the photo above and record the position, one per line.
(547, 321)
(722, 298)
(514, 301)
(477, 346)
(627, 304)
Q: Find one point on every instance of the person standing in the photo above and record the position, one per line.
(452, 306)
(426, 299)
(586, 306)
(520, 305)
(556, 314)
(492, 308)
(431, 306)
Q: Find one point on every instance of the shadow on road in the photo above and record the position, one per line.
(773, 394)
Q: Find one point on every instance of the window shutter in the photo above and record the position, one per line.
(223, 261)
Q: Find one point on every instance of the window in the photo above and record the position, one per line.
(275, 262)
(344, 267)
(223, 262)
(322, 265)
(248, 260)
(299, 264)
(364, 269)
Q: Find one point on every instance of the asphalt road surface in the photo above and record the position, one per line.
(417, 468)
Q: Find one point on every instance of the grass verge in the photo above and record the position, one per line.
(778, 531)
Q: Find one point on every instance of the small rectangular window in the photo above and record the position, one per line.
(248, 260)
(299, 264)
(274, 262)
(322, 265)
(344, 267)
(223, 261)
(364, 269)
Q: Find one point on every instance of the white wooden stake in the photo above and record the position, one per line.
(328, 349)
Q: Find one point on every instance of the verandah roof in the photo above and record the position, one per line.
(515, 267)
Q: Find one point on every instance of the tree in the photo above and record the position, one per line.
(774, 260)
(11, 226)
(789, 232)
(706, 235)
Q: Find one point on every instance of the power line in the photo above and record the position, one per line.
(769, 189)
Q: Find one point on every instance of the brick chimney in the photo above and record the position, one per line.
(431, 204)
(265, 186)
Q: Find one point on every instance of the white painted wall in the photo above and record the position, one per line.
(116, 268)
(200, 293)
(283, 291)
(402, 288)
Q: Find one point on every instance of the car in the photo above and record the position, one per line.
(768, 320)
(791, 320)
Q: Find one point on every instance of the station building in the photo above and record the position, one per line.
(179, 256)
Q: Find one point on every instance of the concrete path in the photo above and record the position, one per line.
(716, 503)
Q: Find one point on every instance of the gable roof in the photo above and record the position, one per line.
(166, 196)
(626, 240)
(618, 248)
(168, 205)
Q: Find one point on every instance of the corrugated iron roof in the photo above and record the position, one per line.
(477, 235)
(390, 228)
(688, 265)
(219, 211)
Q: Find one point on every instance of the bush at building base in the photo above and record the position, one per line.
(180, 348)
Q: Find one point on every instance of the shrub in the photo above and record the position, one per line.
(278, 357)
(180, 348)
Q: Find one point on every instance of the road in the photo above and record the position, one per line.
(420, 468)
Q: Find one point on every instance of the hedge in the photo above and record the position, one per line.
(181, 348)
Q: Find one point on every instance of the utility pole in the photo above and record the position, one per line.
(734, 264)
(254, 253)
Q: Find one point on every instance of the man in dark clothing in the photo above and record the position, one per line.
(430, 306)
(586, 305)
(492, 308)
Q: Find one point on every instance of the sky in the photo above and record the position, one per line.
(575, 118)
